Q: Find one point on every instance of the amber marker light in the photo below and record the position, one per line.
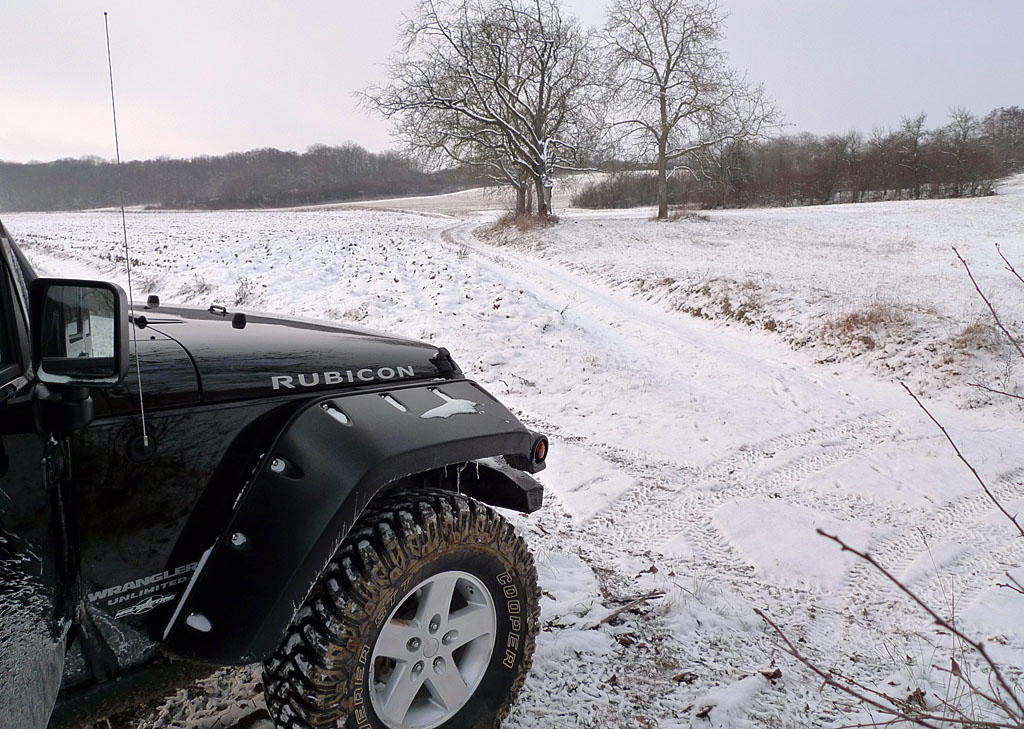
(540, 450)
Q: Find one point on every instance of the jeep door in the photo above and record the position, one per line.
(32, 624)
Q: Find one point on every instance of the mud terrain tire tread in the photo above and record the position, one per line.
(309, 680)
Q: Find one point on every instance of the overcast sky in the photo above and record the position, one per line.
(226, 75)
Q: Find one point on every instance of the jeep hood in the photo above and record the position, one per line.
(268, 356)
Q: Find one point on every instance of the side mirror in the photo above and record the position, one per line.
(79, 332)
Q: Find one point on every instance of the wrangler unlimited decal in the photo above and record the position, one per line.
(336, 377)
(108, 597)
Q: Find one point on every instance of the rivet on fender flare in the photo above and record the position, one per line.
(198, 621)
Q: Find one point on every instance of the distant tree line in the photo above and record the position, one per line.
(962, 158)
(523, 92)
(259, 178)
(519, 93)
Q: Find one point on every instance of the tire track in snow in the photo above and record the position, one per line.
(972, 518)
(673, 497)
(866, 592)
(762, 451)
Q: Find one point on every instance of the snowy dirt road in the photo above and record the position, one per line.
(691, 464)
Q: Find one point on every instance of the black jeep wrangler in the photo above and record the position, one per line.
(291, 492)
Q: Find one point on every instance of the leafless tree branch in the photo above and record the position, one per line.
(994, 391)
(884, 703)
(946, 625)
(1013, 584)
(1009, 266)
(988, 303)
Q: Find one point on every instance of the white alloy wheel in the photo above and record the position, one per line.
(425, 618)
(432, 651)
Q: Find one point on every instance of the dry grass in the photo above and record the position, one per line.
(979, 335)
(195, 288)
(869, 325)
(719, 298)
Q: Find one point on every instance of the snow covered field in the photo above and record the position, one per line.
(876, 283)
(692, 456)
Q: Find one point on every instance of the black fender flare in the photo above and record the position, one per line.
(310, 488)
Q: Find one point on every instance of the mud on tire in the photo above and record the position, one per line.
(336, 665)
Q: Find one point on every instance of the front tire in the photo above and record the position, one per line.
(426, 618)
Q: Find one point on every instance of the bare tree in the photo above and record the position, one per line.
(969, 165)
(673, 87)
(830, 165)
(722, 165)
(910, 141)
(1003, 131)
(503, 85)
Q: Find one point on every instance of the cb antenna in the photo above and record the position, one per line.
(124, 230)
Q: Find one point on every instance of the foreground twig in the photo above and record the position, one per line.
(897, 709)
(1009, 266)
(977, 645)
(947, 711)
(974, 689)
(988, 303)
(994, 391)
(1013, 584)
(829, 678)
(977, 476)
(657, 594)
